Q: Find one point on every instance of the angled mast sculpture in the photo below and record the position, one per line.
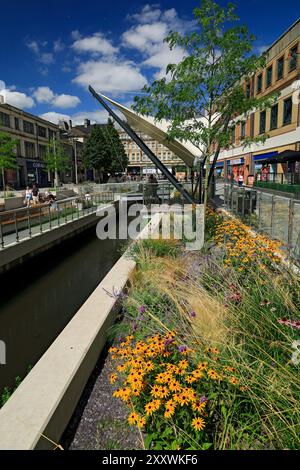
(141, 144)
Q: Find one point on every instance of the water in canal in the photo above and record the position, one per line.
(40, 297)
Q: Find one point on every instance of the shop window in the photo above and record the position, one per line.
(280, 67)
(269, 76)
(274, 117)
(259, 83)
(262, 122)
(287, 111)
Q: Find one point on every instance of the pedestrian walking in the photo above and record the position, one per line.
(28, 196)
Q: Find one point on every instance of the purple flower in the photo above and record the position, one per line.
(134, 327)
(203, 399)
(193, 314)
(168, 342)
(182, 348)
(142, 309)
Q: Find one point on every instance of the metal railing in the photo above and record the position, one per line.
(270, 214)
(20, 224)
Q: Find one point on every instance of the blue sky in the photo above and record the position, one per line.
(51, 51)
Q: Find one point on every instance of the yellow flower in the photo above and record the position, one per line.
(132, 418)
(141, 422)
(198, 424)
(183, 364)
(212, 374)
(199, 406)
(174, 386)
(202, 366)
(113, 378)
(152, 406)
(169, 409)
(197, 374)
(233, 380)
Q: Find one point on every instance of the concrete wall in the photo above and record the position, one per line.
(44, 402)
(17, 253)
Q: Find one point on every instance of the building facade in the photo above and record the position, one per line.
(281, 123)
(139, 163)
(32, 134)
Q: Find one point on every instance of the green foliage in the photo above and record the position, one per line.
(205, 90)
(158, 248)
(104, 150)
(288, 188)
(56, 159)
(7, 153)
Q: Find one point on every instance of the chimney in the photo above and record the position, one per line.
(1, 99)
(87, 123)
(70, 124)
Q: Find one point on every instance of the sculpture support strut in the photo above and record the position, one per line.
(144, 148)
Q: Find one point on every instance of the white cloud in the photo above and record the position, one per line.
(65, 101)
(164, 56)
(147, 36)
(34, 46)
(55, 117)
(44, 94)
(99, 116)
(110, 76)
(148, 14)
(46, 58)
(143, 37)
(58, 45)
(95, 44)
(15, 98)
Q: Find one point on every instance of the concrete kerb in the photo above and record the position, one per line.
(42, 406)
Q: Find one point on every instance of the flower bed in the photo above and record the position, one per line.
(206, 356)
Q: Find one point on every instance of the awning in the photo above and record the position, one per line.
(220, 165)
(264, 156)
(185, 150)
(283, 157)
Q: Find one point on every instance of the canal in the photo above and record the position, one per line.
(39, 298)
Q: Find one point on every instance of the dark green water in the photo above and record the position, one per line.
(39, 298)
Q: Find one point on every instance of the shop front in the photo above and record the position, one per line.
(37, 173)
(235, 169)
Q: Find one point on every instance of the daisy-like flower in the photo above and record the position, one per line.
(198, 424)
(113, 378)
(132, 418)
(197, 374)
(174, 386)
(152, 406)
(212, 374)
(169, 409)
(198, 406)
(202, 366)
(183, 364)
(141, 422)
(233, 381)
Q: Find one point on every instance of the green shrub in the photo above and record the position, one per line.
(288, 188)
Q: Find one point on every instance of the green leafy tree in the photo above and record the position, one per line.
(202, 94)
(7, 154)
(104, 151)
(56, 159)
